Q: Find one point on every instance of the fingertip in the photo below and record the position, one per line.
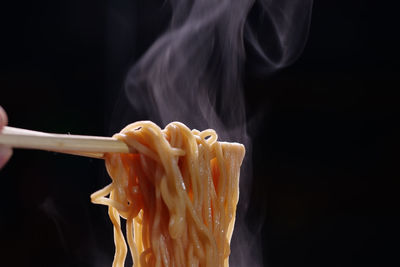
(3, 118)
(5, 155)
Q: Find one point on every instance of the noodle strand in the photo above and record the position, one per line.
(178, 193)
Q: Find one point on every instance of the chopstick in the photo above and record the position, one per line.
(81, 145)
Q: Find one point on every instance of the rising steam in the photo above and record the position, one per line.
(193, 74)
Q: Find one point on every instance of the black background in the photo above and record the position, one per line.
(326, 147)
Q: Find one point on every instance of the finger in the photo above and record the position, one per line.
(3, 118)
(5, 155)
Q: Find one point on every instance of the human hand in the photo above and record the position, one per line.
(5, 152)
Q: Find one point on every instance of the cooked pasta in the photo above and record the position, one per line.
(177, 191)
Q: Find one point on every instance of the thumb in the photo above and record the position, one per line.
(5, 155)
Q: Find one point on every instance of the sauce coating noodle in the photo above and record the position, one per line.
(177, 192)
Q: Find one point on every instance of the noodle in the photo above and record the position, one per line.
(178, 194)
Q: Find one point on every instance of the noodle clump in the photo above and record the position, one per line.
(178, 192)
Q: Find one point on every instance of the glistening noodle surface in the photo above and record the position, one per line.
(178, 192)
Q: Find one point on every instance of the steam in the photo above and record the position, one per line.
(193, 74)
(276, 33)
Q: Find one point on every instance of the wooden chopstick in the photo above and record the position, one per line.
(82, 145)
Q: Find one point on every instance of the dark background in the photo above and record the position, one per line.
(326, 148)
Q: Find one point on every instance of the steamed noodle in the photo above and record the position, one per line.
(178, 193)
